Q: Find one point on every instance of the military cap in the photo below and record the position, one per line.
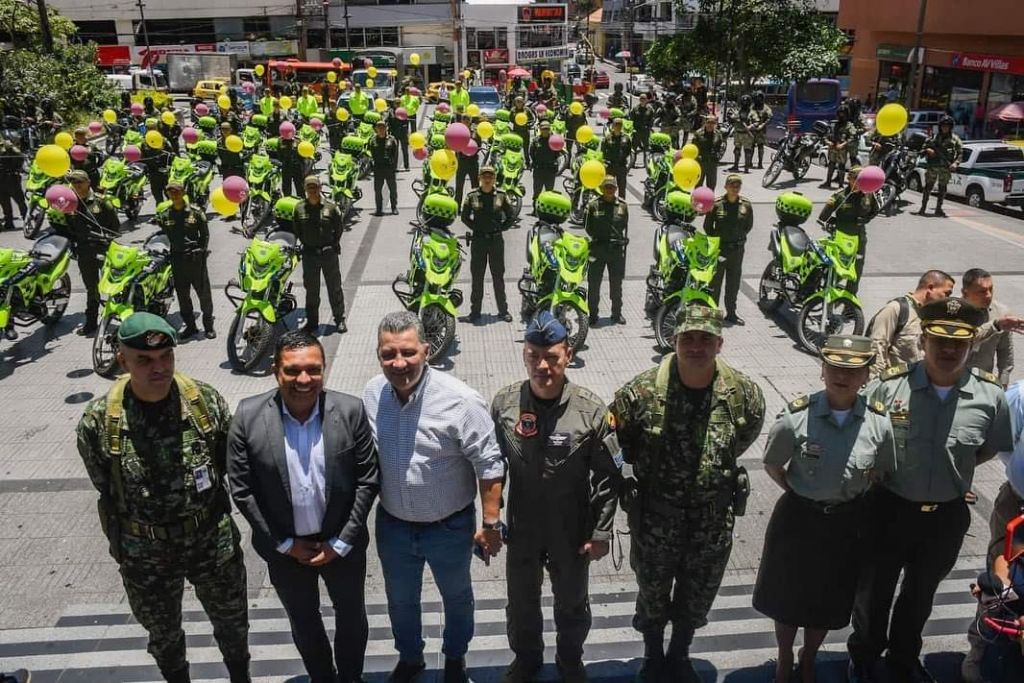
(952, 318)
(698, 318)
(487, 169)
(610, 181)
(78, 174)
(545, 124)
(146, 332)
(380, 122)
(617, 121)
(847, 351)
(174, 185)
(545, 330)
(310, 181)
(734, 178)
(81, 131)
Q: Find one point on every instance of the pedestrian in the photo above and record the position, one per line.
(743, 121)
(841, 138)
(942, 158)
(437, 448)
(487, 213)
(468, 164)
(642, 117)
(399, 130)
(231, 163)
(848, 211)
(189, 236)
(615, 148)
(607, 225)
(11, 163)
(93, 160)
(763, 112)
(947, 420)
(545, 162)
(895, 330)
(384, 150)
(309, 518)
(731, 219)
(319, 225)
(710, 144)
(824, 452)
(682, 426)
(155, 447)
(561, 452)
(90, 229)
(993, 341)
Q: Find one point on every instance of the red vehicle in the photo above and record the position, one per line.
(600, 79)
(293, 75)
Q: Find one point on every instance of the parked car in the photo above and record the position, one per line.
(640, 83)
(600, 78)
(926, 120)
(208, 89)
(990, 172)
(487, 98)
(432, 89)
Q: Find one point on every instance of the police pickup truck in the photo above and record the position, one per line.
(990, 172)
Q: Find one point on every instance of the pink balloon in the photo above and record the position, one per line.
(415, 91)
(316, 124)
(249, 87)
(62, 198)
(703, 199)
(95, 127)
(457, 136)
(202, 109)
(443, 107)
(190, 135)
(604, 113)
(79, 153)
(420, 153)
(132, 153)
(236, 189)
(336, 62)
(556, 142)
(137, 109)
(402, 114)
(870, 179)
(286, 130)
(471, 148)
(541, 109)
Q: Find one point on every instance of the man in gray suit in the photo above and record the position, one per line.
(302, 468)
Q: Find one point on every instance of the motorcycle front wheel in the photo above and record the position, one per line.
(803, 164)
(439, 329)
(886, 197)
(56, 302)
(33, 222)
(516, 203)
(578, 211)
(770, 294)
(132, 208)
(818, 320)
(576, 323)
(248, 340)
(104, 346)
(773, 171)
(665, 323)
(253, 215)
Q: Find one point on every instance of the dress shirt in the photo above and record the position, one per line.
(432, 449)
(1014, 460)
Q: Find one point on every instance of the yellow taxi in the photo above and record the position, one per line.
(208, 89)
(433, 88)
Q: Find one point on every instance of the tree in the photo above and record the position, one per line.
(20, 21)
(69, 77)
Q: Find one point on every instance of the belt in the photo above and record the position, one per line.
(920, 506)
(164, 532)
(672, 511)
(426, 524)
(829, 508)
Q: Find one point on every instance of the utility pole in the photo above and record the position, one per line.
(300, 25)
(456, 10)
(145, 38)
(345, 8)
(915, 63)
(44, 27)
(327, 24)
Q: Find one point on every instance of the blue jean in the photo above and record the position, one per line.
(447, 547)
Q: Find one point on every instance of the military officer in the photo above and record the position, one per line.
(90, 229)
(731, 219)
(842, 140)
(743, 121)
(942, 154)
(763, 112)
(545, 161)
(881, 145)
(947, 420)
(384, 149)
(615, 148)
(710, 142)
(607, 225)
(319, 225)
(849, 211)
(824, 452)
(155, 449)
(189, 234)
(487, 212)
(561, 453)
(682, 426)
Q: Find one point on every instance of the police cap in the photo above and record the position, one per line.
(146, 332)
(487, 170)
(847, 351)
(610, 181)
(545, 124)
(733, 178)
(311, 181)
(174, 185)
(78, 175)
(545, 330)
(952, 318)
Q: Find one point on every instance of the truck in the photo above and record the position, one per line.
(185, 70)
(383, 84)
(990, 172)
(142, 83)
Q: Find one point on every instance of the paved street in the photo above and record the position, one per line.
(62, 608)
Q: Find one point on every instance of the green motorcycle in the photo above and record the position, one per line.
(344, 190)
(34, 284)
(123, 184)
(262, 294)
(359, 149)
(195, 176)
(556, 270)
(427, 288)
(429, 185)
(659, 180)
(509, 166)
(35, 195)
(263, 175)
(580, 196)
(134, 278)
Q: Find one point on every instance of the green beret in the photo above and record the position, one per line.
(146, 332)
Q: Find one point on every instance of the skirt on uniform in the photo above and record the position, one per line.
(810, 564)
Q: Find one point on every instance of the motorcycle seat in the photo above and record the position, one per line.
(202, 167)
(547, 235)
(49, 248)
(158, 244)
(677, 232)
(282, 237)
(797, 239)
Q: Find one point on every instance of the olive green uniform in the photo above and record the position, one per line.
(732, 222)
(11, 162)
(939, 167)
(91, 229)
(758, 130)
(642, 117)
(669, 121)
(743, 121)
(852, 211)
(615, 149)
(562, 492)
(710, 147)
(189, 235)
(607, 225)
(843, 137)
(886, 143)
(319, 228)
(385, 166)
(545, 165)
(487, 214)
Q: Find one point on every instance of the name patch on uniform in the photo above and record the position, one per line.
(559, 440)
(202, 477)
(527, 425)
(611, 444)
(813, 450)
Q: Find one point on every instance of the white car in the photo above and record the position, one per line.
(990, 172)
(640, 83)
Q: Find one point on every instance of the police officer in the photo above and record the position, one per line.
(90, 229)
(764, 114)
(687, 104)
(91, 163)
(186, 229)
(743, 122)
(523, 129)
(615, 148)
(731, 219)
(384, 149)
(942, 155)
(468, 164)
(411, 104)
(561, 453)
(487, 212)
(292, 166)
(668, 119)
(682, 427)
(642, 117)
(545, 161)
(607, 225)
(306, 105)
(849, 211)
(318, 225)
(230, 162)
(710, 142)
(11, 163)
(171, 133)
(617, 99)
(158, 165)
(155, 448)
(947, 420)
(358, 103)
(841, 138)
(824, 452)
(573, 122)
(399, 130)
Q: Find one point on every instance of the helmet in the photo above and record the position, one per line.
(552, 207)
(151, 123)
(371, 117)
(147, 101)
(273, 144)
(440, 210)
(744, 101)
(758, 97)
(284, 208)
(821, 128)
(46, 103)
(843, 113)
(593, 143)
(793, 208)
(854, 106)
(946, 120)
(442, 116)
(678, 204)
(502, 115)
(659, 142)
(616, 113)
(207, 123)
(258, 120)
(207, 147)
(437, 141)
(512, 141)
(353, 144)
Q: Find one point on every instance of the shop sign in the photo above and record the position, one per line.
(157, 54)
(495, 56)
(234, 47)
(535, 14)
(273, 48)
(542, 54)
(894, 53)
(114, 55)
(981, 62)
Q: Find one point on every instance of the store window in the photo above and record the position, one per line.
(954, 90)
(544, 35)
(892, 81)
(1005, 88)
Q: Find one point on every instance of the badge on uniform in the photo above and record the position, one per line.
(559, 440)
(202, 477)
(611, 444)
(527, 425)
(813, 450)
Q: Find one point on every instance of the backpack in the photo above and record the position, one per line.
(901, 320)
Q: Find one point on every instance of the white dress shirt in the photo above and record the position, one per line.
(1014, 460)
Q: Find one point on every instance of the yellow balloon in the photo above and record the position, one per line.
(686, 173)
(369, 82)
(223, 90)
(466, 74)
(306, 149)
(341, 114)
(372, 72)
(224, 102)
(259, 70)
(417, 140)
(584, 134)
(473, 110)
(592, 173)
(110, 116)
(154, 139)
(168, 118)
(891, 119)
(233, 143)
(221, 204)
(443, 164)
(285, 102)
(485, 130)
(64, 139)
(331, 77)
(690, 151)
(521, 119)
(380, 104)
(414, 59)
(576, 108)
(53, 160)
(394, 73)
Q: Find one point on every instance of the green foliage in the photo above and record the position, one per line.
(21, 21)
(69, 77)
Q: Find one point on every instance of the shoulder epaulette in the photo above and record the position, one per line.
(986, 375)
(895, 371)
(799, 404)
(877, 407)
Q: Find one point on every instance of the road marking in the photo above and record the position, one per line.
(1002, 234)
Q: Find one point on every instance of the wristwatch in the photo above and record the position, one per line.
(491, 526)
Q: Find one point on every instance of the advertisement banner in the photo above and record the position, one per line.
(157, 54)
(542, 54)
(114, 55)
(535, 14)
(273, 48)
(982, 62)
(234, 47)
(496, 56)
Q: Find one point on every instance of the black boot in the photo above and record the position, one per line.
(924, 203)
(680, 668)
(735, 161)
(939, 196)
(179, 676)
(238, 671)
(828, 176)
(653, 668)
(760, 156)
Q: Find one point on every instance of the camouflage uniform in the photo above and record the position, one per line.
(743, 139)
(758, 133)
(683, 450)
(165, 511)
(938, 168)
(843, 135)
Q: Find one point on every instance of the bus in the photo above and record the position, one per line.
(812, 100)
(291, 75)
